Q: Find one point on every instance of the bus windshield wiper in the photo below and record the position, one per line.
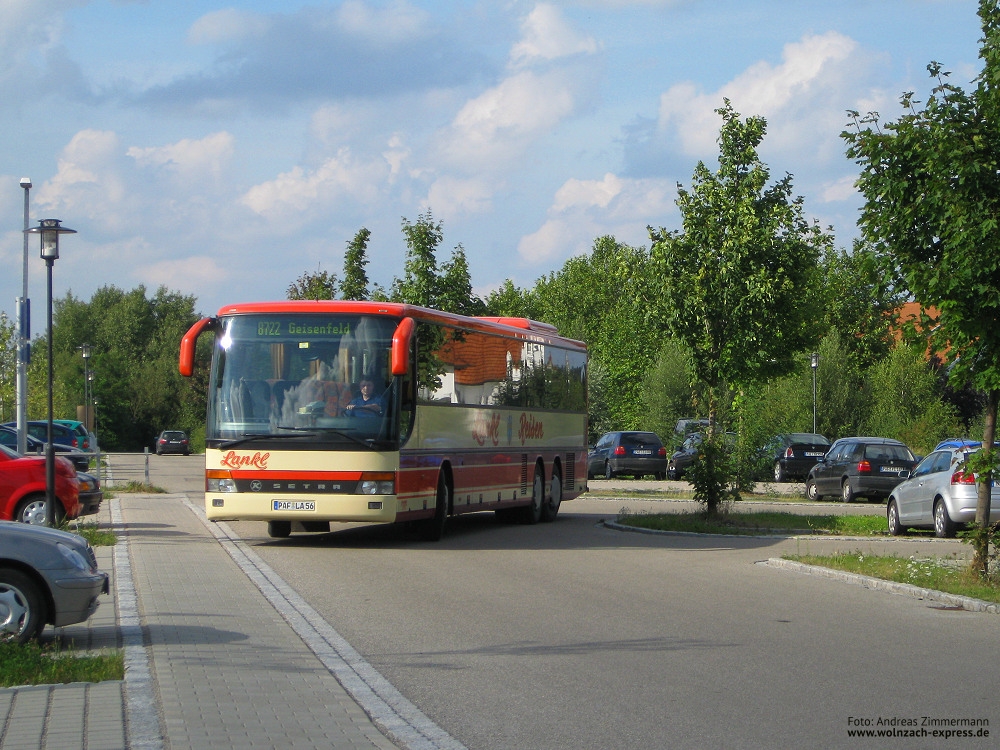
(265, 436)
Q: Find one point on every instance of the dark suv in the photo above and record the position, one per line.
(635, 453)
(859, 467)
(173, 441)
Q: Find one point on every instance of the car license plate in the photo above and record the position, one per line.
(890, 469)
(294, 505)
(814, 454)
(642, 453)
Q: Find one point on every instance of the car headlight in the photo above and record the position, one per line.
(375, 487)
(214, 484)
(73, 557)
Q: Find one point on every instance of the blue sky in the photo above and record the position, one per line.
(224, 150)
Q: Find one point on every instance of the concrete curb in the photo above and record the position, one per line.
(879, 584)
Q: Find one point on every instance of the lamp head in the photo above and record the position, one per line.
(26, 182)
(50, 230)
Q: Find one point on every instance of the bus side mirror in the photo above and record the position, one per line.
(186, 363)
(401, 340)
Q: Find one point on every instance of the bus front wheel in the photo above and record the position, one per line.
(432, 529)
(279, 529)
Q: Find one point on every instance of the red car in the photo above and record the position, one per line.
(22, 488)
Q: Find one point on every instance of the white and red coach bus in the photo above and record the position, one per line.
(466, 414)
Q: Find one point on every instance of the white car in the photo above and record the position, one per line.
(939, 494)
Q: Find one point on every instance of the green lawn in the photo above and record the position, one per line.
(32, 664)
(757, 523)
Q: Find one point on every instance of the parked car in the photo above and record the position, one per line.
(47, 576)
(682, 458)
(86, 438)
(938, 495)
(61, 434)
(687, 425)
(79, 459)
(91, 495)
(172, 441)
(859, 467)
(635, 453)
(793, 454)
(22, 488)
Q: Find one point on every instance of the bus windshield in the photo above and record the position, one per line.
(322, 380)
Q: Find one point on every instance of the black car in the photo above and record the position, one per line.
(859, 467)
(172, 441)
(80, 459)
(792, 454)
(91, 494)
(683, 457)
(635, 453)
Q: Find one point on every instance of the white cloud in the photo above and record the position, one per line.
(302, 191)
(395, 22)
(196, 273)
(839, 190)
(503, 120)
(452, 197)
(89, 180)
(227, 25)
(547, 36)
(191, 159)
(811, 72)
(585, 209)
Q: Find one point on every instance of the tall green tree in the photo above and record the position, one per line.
(739, 281)
(512, 301)
(319, 285)
(931, 183)
(602, 299)
(355, 283)
(455, 286)
(8, 368)
(862, 294)
(134, 341)
(420, 284)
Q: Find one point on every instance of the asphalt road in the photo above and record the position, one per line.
(573, 635)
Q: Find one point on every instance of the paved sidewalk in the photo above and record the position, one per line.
(210, 661)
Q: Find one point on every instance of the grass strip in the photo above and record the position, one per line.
(34, 664)
(941, 574)
(751, 523)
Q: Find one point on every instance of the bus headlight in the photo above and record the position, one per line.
(376, 484)
(219, 481)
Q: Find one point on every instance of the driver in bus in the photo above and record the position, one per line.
(367, 403)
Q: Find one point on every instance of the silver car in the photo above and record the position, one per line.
(46, 576)
(939, 494)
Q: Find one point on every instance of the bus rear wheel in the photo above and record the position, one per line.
(550, 507)
(532, 514)
(432, 529)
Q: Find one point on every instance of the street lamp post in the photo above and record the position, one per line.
(23, 337)
(87, 377)
(814, 363)
(49, 230)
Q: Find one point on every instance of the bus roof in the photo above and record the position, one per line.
(518, 327)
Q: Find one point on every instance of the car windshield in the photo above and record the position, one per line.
(631, 439)
(808, 437)
(888, 452)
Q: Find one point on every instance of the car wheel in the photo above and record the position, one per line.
(279, 529)
(432, 529)
(812, 492)
(847, 492)
(944, 527)
(892, 516)
(608, 474)
(22, 607)
(550, 507)
(532, 514)
(779, 472)
(31, 510)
